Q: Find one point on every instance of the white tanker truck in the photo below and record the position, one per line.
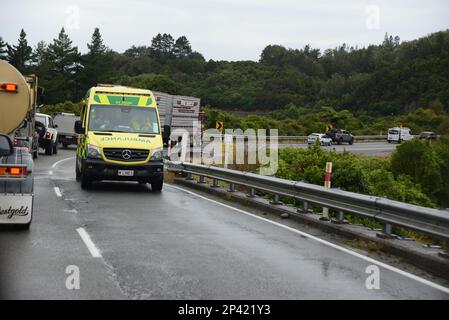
(17, 111)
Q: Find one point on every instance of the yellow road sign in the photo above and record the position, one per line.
(219, 125)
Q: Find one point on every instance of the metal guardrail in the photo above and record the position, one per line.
(432, 222)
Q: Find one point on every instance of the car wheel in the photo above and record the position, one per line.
(351, 142)
(156, 186)
(86, 183)
(49, 149)
(55, 148)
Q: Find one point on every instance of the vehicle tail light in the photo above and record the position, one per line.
(13, 171)
(8, 87)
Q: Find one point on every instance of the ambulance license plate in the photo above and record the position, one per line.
(126, 173)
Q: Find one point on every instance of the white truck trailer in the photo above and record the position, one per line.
(178, 112)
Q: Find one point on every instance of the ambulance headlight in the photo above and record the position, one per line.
(156, 154)
(93, 152)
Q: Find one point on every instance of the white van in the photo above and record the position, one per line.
(399, 134)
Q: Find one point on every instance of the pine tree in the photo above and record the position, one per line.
(64, 57)
(96, 46)
(3, 49)
(97, 62)
(156, 43)
(167, 43)
(62, 82)
(20, 55)
(182, 47)
(40, 53)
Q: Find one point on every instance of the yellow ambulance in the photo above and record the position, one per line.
(119, 137)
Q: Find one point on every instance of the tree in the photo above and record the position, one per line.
(21, 55)
(156, 43)
(273, 54)
(3, 49)
(97, 63)
(64, 56)
(40, 53)
(96, 46)
(167, 43)
(182, 47)
(65, 66)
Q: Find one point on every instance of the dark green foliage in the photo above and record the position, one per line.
(3, 49)
(426, 163)
(67, 106)
(355, 173)
(21, 55)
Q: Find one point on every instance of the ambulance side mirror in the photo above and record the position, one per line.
(79, 127)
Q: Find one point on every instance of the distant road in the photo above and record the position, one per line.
(381, 148)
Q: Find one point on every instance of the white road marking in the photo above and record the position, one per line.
(94, 251)
(58, 192)
(327, 243)
(57, 163)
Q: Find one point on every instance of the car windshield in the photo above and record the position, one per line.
(128, 119)
(393, 131)
(42, 120)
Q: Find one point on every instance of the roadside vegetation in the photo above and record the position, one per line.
(416, 173)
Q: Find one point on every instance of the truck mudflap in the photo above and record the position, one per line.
(16, 208)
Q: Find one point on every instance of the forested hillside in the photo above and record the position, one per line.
(389, 79)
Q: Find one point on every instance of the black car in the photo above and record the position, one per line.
(340, 136)
(428, 135)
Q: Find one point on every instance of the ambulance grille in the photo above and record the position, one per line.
(125, 155)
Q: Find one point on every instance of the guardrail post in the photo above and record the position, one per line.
(231, 187)
(189, 176)
(386, 232)
(214, 183)
(304, 208)
(445, 254)
(340, 218)
(252, 193)
(202, 179)
(275, 200)
(387, 229)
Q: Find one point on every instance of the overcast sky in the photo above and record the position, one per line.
(225, 29)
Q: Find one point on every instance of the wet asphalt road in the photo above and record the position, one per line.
(172, 245)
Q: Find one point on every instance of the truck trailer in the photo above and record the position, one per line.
(18, 96)
(179, 112)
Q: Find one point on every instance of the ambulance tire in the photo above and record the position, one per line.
(86, 183)
(156, 186)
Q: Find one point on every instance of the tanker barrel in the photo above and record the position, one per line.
(15, 104)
